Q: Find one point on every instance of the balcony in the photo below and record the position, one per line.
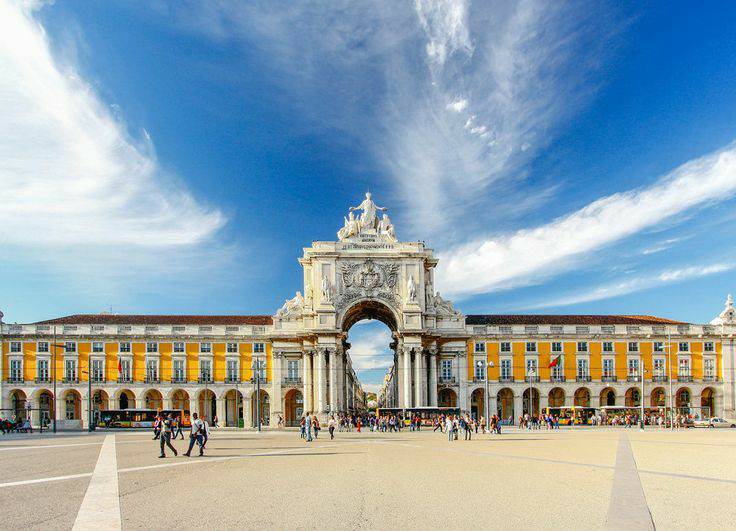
(506, 379)
(205, 379)
(232, 379)
(262, 378)
(178, 379)
(293, 381)
(684, 378)
(70, 380)
(531, 379)
(609, 378)
(98, 379)
(447, 380)
(660, 378)
(153, 380)
(477, 379)
(43, 379)
(557, 378)
(125, 379)
(710, 378)
(16, 379)
(633, 378)
(582, 378)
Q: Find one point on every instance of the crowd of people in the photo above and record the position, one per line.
(15, 424)
(167, 427)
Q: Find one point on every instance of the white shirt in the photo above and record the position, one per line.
(196, 426)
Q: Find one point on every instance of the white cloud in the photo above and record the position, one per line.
(457, 105)
(532, 254)
(632, 285)
(370, 349)
(70, 174)
(445, 24)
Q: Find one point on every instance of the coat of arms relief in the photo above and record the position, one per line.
(367, 279)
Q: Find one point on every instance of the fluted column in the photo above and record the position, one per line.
(307, 381)
(419, 378)
(433, 377)
(277, 403)
(406, 376)
(321, 381)
(333, 375)
(462, 372)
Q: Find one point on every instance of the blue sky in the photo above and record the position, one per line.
(175, 157)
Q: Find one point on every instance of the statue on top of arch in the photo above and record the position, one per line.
(368, 222)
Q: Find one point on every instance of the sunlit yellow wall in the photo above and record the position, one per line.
(164, 363)
(269, 363)
(218, 361)
(646, 349)
(517, 363)
(246, 360)
(471, 367)
(111, 361)
(29, 360)
(569, 348)
(620, 349)
(696, 361)
(139, 362)
(192, 351)
(493, 357)
(83, 350)
(719, 358)
(595, 348)
(544, 347)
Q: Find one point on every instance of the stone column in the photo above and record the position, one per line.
(340, 379)
(419, 378)
(433, 377)
(462, 373)
(399, 375)
(406, 377)
(277, 403)
(247, 411)
(492, 404)
(307, 381)
(321, 382)
(220, 410)
(333, 375)
(518, 406)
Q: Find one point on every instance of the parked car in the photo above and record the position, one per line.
(715, 422)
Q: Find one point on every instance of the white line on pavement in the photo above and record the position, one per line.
(100, 508)
(46, 446)
(628, 508)
(44, 480)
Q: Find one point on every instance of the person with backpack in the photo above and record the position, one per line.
(165, 434)
(195, 436)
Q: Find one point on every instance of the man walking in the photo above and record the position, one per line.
(165, 435)
(308, 426)
(195, 436)
(177, 428)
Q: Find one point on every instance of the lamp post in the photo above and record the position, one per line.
(669, 363)
(257, 369)
(486, 405)
(532, 374)
(641, 398)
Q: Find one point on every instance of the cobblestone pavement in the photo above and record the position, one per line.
(580, 479)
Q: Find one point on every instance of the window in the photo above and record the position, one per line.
(151, 347)
(658, 346)
(292, 371)
(232, 348)
(16, 370)
(709, 346)
(608, 367)
(556, 346)
(70, 408)
(205, 370)
(177, 367)
(608, 346)
(179, 347)
(205, 348)
(125, 369)
(152, 370)
(232, 370)
(70, 370)
(480, 373)
(480, 347)
(70, 347)
(98, 347)
(658, 367)
(583, 368)
(98, 371)
(446, 369)
(558, 370)
(124, 346)
(531, 346)
(709, 367)
(42, 370)
(684, 366)
(582, 346)
(15, 347)
(259, 348)
(531, 367)
(633, 365)
(260, 366)
(505, 346)
(684, 346)
(42, 346)
(633, 346)
(506, 369)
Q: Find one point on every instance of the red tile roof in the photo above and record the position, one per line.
(568, 320)
(117, 319)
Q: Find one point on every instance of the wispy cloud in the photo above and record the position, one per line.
(532, 255)
(370, 351)
(71, 174)
(631, 285)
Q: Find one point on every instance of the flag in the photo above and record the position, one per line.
(120, 367)
(556, 361)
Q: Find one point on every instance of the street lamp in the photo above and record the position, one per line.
(257, 374)
(641, 398)
(532, 374)
(486, 405)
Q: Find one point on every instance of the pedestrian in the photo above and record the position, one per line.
(315, 425)
(165, 435)
(358, 424)
(157, 428)
(331, 426)
(214, 422)
(302, 429)
(177, 428)
(308, 426)
(195, 436)
(205, 432)
(449, 428)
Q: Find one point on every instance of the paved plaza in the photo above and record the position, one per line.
(581, 479)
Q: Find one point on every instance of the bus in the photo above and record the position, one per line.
(139, 418)
(571, 415)
(426, 414)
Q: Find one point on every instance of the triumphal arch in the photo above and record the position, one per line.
(369, 274)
